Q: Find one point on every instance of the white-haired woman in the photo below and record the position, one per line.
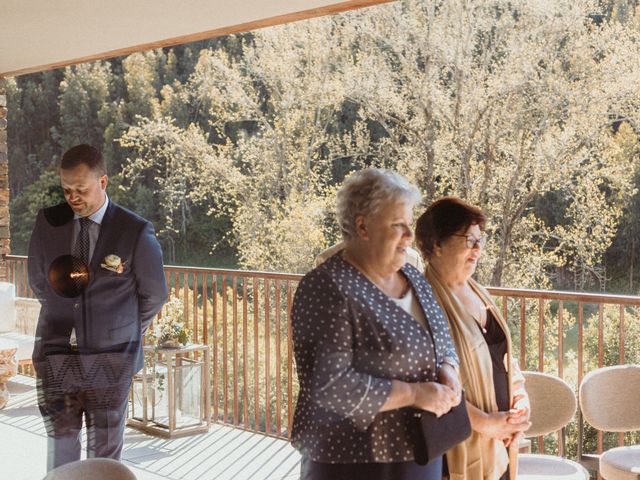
(370, 340)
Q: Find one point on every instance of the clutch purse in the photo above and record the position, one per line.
(433, 436)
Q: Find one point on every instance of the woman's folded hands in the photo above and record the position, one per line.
(434, 397)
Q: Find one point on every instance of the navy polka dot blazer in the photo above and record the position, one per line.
(350, 341)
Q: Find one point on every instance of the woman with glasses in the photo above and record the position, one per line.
(450, 235)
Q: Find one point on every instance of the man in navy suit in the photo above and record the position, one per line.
(89, 339)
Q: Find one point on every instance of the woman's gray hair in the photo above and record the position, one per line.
(366, 191)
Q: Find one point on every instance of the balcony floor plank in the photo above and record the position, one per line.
(224, 453)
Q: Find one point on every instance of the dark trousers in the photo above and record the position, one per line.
(310, 470)
(74, 388)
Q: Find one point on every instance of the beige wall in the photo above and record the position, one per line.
(40, 35)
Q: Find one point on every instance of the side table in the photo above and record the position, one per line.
(171, 395)
(8, 367)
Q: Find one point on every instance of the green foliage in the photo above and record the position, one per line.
(44, 192)
(622, 257)
(34, 113)
(169, 165)
(84, 92)
(234, 146)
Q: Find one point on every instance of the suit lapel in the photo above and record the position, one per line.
(430, 306)
(418, 290)
(63, 242)
(103, 240)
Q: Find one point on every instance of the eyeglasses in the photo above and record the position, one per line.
(472, 241)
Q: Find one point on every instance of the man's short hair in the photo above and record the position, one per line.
(83, 154)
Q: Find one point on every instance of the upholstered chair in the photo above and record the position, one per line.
(610, 401)
(553, 405)
(92, 468)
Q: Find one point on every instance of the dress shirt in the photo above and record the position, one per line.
(94, 231)
(410, 304)
(94, 228)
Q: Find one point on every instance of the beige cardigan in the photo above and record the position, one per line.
(479, 457)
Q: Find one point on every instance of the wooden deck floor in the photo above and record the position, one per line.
(222, 453)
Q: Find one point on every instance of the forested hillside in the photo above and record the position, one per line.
(234, 147)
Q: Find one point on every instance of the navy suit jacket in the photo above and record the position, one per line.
(116, 308)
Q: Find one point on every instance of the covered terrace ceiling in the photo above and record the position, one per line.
(38, 35)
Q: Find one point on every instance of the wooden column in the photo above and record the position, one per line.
(4, 184)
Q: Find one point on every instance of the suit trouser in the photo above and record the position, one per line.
(77, 387)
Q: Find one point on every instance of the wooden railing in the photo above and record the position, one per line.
(569, 334)
(245, 317)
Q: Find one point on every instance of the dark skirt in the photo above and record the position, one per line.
(310, 470)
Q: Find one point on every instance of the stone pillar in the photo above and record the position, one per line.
(4, 184)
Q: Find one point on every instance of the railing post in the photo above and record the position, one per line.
(4, 186)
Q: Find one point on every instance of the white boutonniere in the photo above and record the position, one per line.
(113, 263)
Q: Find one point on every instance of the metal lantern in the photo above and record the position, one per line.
(171, 395)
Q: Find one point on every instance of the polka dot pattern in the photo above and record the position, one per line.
(350, 341)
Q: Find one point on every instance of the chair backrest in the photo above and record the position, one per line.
(27, 313)
(553, 403)
(92, 468)
(610, 398)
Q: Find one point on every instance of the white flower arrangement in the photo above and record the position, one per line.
(169, 329)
